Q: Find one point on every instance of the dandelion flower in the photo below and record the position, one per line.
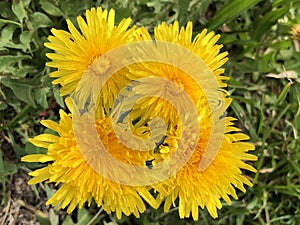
(207, 176)
(203, 46)
(78, 52)
(77, 181)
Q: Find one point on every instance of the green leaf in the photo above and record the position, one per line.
(183, 6)
(21, 89)
(6, 168)
(122, 13)
(72, 8)
(3, 105)
(7, 33)
(25, 37)
(261, 25)
(230, 11)
(7, 60)
(83, 216)
(263, 66)
(40, 20)
(42, 220)
(6, 11)
(68, 221)
(9, 22)
(50, 8)
(9, 168)
(41, 97)
(21, 71)
(19, 10)
(247, 65)
(59, 99)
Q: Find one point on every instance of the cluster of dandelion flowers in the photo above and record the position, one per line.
(83, 52)
(192, 185)
(79, 182)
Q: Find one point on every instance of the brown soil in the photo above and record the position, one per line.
(22, 202)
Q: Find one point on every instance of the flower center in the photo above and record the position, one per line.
(175, 89)
(100, 65)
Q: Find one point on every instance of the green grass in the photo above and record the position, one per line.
(266, 102)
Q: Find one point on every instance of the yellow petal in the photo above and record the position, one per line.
(47, 138)
(39, 143)
(37, 158)
(40, 175)
(51, 125)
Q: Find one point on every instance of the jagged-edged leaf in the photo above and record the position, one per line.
(21, 89)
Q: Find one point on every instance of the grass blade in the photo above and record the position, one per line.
(229, 12)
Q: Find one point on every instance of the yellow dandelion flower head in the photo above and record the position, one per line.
(79, 51)
(295, 32)
(194, 74)
(80, 182)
